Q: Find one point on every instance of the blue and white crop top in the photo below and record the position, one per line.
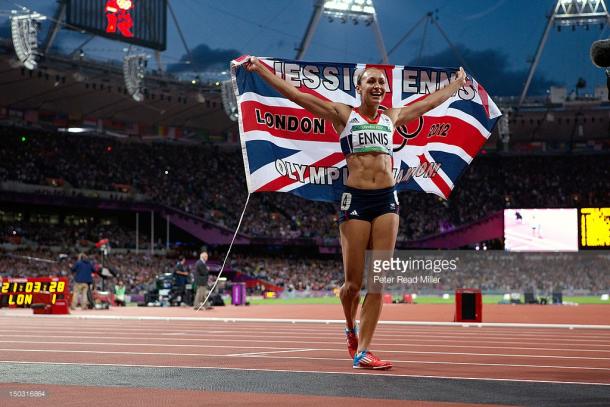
(362, 135)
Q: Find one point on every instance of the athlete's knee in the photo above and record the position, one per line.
(351, 288)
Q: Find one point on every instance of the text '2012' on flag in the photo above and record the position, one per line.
(287, 149)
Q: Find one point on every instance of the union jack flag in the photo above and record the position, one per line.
(287, 149)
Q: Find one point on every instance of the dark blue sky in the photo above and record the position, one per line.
(496, 37)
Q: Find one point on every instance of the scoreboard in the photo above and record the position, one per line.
(44, 294)
(594, 228)
(139, 22)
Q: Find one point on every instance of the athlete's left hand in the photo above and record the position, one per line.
(460, 78)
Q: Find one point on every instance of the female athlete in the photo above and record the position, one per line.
(369, 206)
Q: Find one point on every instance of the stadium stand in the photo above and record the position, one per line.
(208, 182)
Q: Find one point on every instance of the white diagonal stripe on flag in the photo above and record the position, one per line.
(259, 135)
(440, 171)
(268, 172)
(425, 183)
(448, 148)
(267, 100)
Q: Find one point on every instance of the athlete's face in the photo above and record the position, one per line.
(372, 86)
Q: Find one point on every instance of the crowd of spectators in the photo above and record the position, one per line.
(209, 182)
(66, 236)
(32, 263)
(491, 271)
(493, 183)
(292, 273)
(500, 271)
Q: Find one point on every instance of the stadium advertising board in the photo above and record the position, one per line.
(139, 22)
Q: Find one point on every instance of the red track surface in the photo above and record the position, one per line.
(520, 354)
(496, 353)
(530, 314)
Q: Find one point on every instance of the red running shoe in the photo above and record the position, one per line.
(352, 341)
(366, 360)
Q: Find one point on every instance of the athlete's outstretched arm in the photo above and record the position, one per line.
(337, 113)
(405, 114)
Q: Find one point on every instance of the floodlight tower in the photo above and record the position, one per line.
(344, 10)
(568, 13)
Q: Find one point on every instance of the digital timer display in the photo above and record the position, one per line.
(15, 292)
(594, 228)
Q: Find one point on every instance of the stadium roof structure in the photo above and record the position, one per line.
(343, 10)
(78, 87)
(567, 13)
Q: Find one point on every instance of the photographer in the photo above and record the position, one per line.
(181, 277)
(83, 277)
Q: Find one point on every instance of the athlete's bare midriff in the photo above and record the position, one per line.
(369, 171)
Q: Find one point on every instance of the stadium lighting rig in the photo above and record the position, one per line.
(134, 68)
(356, 9)
(343, 10)
(580, 12)
(568, 13)
(24, 32)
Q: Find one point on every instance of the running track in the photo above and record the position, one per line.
(111, 361)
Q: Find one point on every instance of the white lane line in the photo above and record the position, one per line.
(424, 362)
(267, 353)
(265, 331)
(264, 335)
(292, 349)
(377, 344)
(292, 341)
(161, 345)
(381, 333)
(359, 372)
(310, 321)
(242, 326)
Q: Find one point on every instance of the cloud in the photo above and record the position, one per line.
(490, 68)
(205, 57)
(484, 12)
